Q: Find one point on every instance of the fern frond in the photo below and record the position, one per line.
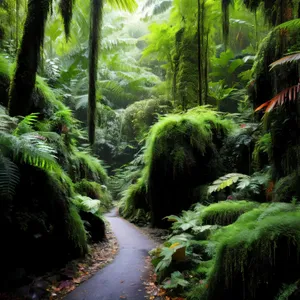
(9, 178)
(225, 181)
(87, 204)
(290, 25)
(26, 124)
(7, 123)
(288, 94)
(30, 149)
(284, 60)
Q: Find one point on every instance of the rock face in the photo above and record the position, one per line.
(94, 225)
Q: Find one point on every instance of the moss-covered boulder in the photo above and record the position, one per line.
(286, 188)
(40, 228)
(226, 212)
(94, 225)
(182, 153)
(94, 190)
(256, 256)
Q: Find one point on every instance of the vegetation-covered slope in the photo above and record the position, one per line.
(192, 106)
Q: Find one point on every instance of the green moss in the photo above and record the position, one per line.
(88, 167)
(77, 233)
(133, 204)
(255, 256)
(4, 66)
(182, 154)
(204, 268)
(286, 188)
(139, 116)
(94, 190)
(4, 80)
(226, 212)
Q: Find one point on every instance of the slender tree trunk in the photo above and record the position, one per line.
(17, 23)
(206, 66)
(23, 81)
(96, 15)
(200, 101)
(204, 54)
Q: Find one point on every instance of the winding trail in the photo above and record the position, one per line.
(123, 278)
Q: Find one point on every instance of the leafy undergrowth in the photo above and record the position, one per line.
(57, 284)
(227, 250)
(153, 289)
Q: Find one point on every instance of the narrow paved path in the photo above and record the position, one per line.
(123, 278)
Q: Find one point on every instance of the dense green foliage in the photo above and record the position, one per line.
(181, 154)
(177, 109)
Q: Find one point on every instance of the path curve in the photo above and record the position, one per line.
(123, 278)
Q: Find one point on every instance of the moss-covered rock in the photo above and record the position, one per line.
(226, 212)
(94, 225)
(181, 154)
(256, 255)
(40, 228)
(286, 188)
(133, 205)
(139, 116)
(94, 190)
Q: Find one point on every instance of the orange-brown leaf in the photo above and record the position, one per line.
(286, 59)
(289, 94)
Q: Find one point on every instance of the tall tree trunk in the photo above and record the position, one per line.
(204, 54)
(96, 15)
(206, 66)
(200, 102)
(23, 81)
(17, 23)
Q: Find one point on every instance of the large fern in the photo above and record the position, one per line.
(226, 181)
(9, 178)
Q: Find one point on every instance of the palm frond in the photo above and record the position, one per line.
(288, 94)
(284, 60)
(127, 5)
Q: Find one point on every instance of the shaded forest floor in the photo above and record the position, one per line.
(56, 284)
